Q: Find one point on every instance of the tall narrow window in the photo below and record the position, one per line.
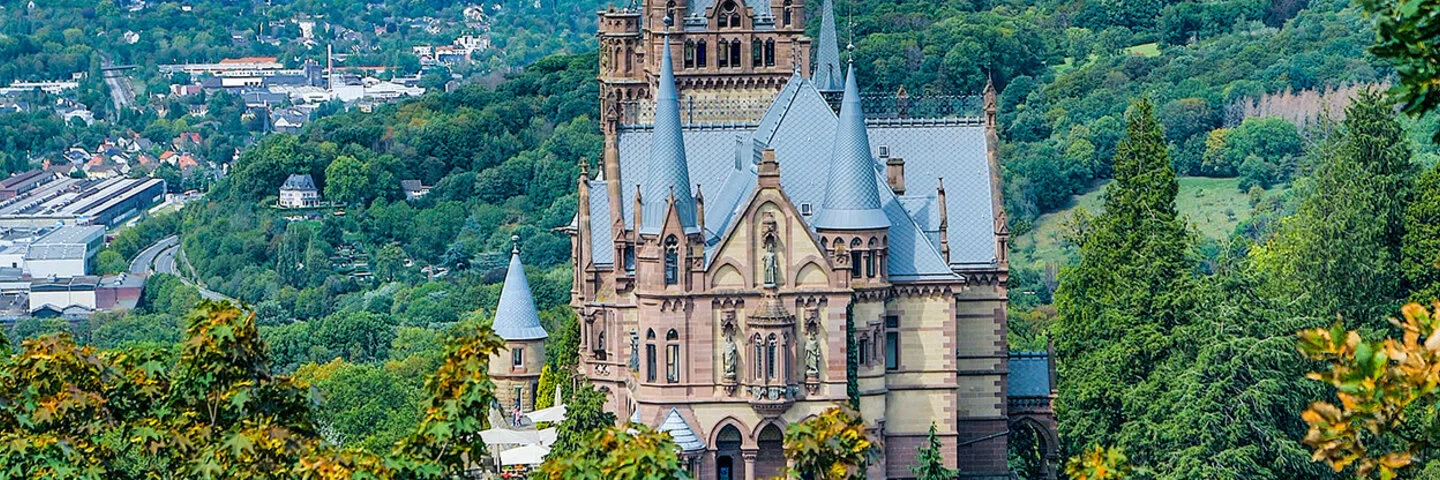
(672, 261)
(650, 355)
(517, 357)
(670, 10)
(759, 358)
(689, 54)
(735, 54)
(722, 53)
(700, 53)
(870, 259)
(757, 53)
(770, 53)
(863, 346)
(786, 15)
(650, 362)
(892, 342)
(672, 363)
(857, 259)
(770, 358)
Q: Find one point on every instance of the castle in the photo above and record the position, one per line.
(749, 255)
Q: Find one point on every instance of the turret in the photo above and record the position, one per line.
(827, 56)
(516, 369)
(852, 212)
(666, 170)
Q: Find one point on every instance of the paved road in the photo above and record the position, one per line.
(160, 258)
(145, 261)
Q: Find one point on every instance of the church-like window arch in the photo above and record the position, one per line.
(700, 53)
(787, 14)
(722, 53)
(689, 54)
(870, 259)
(650, 374)
(758, 360)
(670, 10)
(770, 52)
(672, 356)
(770, 346)
(757, 52)
(856, 258)
(672, 260)
(729, 16)
(735, 53)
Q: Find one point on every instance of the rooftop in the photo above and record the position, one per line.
(55, 252)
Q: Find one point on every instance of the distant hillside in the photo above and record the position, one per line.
(1214, 207)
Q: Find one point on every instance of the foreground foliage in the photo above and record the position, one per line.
(829, 446)
(214, 410)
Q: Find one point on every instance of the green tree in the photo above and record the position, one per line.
(1099, 463)
(1340, 252)
(829, 446)
(930, 463)
(347, 181)
(1126, 294)
(1420, 247)
(109, 262)
(584, 415)
(628, 452)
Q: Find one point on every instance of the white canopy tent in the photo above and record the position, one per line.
(502, 436)
(526, 455)
(552, 415)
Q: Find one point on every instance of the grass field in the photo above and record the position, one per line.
(1145, 50)
(1213, 207)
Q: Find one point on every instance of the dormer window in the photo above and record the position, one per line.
(672, 260)
(807, 209)
(729, 16)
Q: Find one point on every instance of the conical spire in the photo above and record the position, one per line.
(852, 201)
(827, 57)
(668, 172)
(516, 317)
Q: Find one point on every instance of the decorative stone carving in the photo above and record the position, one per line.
(812, 356)
(730, 358)
(772, 264)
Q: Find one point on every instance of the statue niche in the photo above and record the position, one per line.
(771, 261)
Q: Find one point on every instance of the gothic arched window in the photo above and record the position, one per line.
(757, 53)
(672, 356)
(670, 11)
(787, 13)
(856, 259)
(735, 53)
(722, 53)
(770, 357)
(870, 259)
(689, 54)
(758, 360)
(700, 54)
(672, 261)
(729, 16)
(650, 356)
(770, 52)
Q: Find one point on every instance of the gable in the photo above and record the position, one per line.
(769, 218)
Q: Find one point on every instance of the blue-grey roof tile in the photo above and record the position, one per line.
(1029, 375)
(852, 201)
(516, 317)
(680, 430)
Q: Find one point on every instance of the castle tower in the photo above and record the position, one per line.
(827, 53)
(516, 369)
(852, 214)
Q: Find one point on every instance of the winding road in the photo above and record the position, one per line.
(160, 258)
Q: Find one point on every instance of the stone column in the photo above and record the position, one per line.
(749, 463)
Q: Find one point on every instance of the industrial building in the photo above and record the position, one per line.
(72, 201)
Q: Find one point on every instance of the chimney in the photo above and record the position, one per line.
(894, 171)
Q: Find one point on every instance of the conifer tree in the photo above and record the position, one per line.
(1118, 305)
(1420, 247)
(1339, 254)
(930, 465)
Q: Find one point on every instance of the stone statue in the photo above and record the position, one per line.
(772, 264)
(730, 358)
(812, 356)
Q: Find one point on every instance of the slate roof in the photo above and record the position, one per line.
(1029, 374)
(852, 198)
(800, 126)
(299, 181)
(827, 53)
(680, 430)
(667, 174)
(516, 317)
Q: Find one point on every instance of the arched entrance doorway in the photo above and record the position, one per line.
(727, 454)
(1033, 452)
(770, 460)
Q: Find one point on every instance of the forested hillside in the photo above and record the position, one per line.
(1175, 344)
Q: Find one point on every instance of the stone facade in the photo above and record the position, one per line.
(739, 321)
